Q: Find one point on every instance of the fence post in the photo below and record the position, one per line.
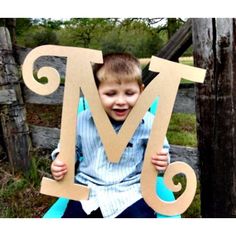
(13, 116)
(214, 49)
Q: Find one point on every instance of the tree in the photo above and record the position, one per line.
(84, 31)
(214, 49)
(40, 36)
(134, 36)
(173, 25)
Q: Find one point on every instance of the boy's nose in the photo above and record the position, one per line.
(120, 100)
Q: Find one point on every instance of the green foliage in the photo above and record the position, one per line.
(172, 25)
(136, 38)
(32, 176)
(12, 186)
(188, 52)
(40, 36)
(108, 35)
(22, 25)
(139, 36)
(82, 32)
(49, 23)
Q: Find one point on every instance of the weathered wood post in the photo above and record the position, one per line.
(214, 44)
(13, 115)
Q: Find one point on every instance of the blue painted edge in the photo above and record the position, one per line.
(57, 209)
(165, 194)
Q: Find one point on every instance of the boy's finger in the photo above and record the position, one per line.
(58, 177)
(159, 163)
(160, 157)
(59, 163)
(58, 168)
(59, 174)
(159, 168)
(162, 152)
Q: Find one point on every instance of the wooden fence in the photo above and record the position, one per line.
(19, 136)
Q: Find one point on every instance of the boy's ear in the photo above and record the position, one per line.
(142, 87)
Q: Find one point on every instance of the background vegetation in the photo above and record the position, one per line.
(142, 37)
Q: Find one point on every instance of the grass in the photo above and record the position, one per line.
(186, 60)
(19, 192)
(189, 62)
(182, 130)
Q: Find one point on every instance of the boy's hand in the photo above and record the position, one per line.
(58, 169)
(160, 160)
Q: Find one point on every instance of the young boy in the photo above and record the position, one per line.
(114, 187)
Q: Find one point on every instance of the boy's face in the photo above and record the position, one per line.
(117, 98)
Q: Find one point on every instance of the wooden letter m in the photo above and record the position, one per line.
(79, 76)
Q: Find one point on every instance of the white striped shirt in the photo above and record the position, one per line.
(113, 186)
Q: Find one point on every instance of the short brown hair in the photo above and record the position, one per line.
(118, 66)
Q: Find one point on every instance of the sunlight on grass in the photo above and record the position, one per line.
(186, 61)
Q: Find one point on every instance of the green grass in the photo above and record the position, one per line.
(186, 61)
(185, 81)
(19, 192)
(182, 130)
(189, 62)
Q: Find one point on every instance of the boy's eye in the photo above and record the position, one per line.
(110, 94)
(130, 93)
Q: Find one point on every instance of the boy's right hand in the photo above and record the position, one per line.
(58, 169)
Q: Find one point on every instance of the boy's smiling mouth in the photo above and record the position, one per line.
(120, 112)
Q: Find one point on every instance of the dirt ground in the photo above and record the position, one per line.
(44, 115)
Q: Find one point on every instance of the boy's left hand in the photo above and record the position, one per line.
(160, 160)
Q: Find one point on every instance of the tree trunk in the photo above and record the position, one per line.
(13, 115)
(11, 25)
(214, 49)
